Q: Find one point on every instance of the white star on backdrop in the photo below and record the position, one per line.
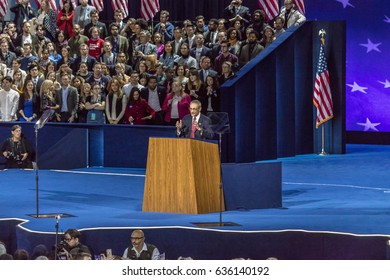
(369, 125)
(385, 83)
(387, 19)
(371, 46)
(345, 3)
(356, 87)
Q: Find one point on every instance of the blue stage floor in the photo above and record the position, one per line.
(341, 194)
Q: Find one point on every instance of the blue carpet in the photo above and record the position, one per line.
(335, 193)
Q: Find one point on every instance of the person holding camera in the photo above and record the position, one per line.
(16, 150)
(71, 248)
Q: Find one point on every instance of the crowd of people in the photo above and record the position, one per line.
(71, 248)
(125, 71)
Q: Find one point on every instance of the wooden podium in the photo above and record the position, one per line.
(182, 176)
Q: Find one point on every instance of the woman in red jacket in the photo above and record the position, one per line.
(138, 111)
(64, 19)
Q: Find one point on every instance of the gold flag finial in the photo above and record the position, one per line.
(322, 34)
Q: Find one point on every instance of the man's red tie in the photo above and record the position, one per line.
(193, 128)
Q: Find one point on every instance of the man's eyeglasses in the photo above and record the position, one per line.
(68, 239)
(136, 238)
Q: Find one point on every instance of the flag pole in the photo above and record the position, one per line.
(323, 153)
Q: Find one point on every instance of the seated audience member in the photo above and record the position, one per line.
(21, 254)
(195, 125)
(139, 250)
(176, 104)
(17, 150)
(138, 111)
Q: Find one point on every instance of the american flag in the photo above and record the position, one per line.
(121, 5)
(270, 8)
(149, 8)
(3, 7)
(300, 5)
(322, 95)
(98, 4)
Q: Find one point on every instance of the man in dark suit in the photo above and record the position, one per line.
(177, 40)
(235, 11)
(250, 50)
(195, 125)
(155, 96)
(95, 23)
(68, 99)
(23, 12)
(200, 50)
(84, 57)
(205, 69)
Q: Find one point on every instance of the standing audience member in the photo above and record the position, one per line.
(96, 105)
(23, 13)
(65, 19)
(225, 56)
(139, 250)
(212, 103)
(291, 16)
(138, 111)
(82, 14)
(251, 49)
(47, 18)
(268, 36)
(29, 103)
(67, 99)
(115, 102)
(176, 104)
(96, 23)
(236, 11)
(278, 25)
(164, 27)
(155, 97)
(9, 101)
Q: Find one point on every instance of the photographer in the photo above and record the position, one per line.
(17, 150)
(71, 248)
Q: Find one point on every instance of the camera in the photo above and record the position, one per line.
(62, 245)
(17, 158)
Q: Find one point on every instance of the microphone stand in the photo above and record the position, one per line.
(58, 217)
(38, 125)
(36, 171)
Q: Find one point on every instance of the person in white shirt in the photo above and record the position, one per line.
(9, 101)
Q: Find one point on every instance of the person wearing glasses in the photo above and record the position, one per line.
(72, 247)
(139, 250)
